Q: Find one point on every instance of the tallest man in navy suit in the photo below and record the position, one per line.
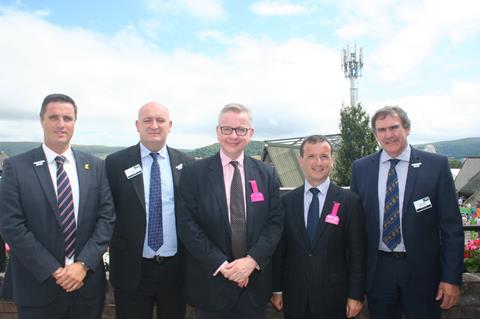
(57, 216)
(414, 228)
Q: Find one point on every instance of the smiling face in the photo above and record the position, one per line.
(153, 125)
(58, 123)
(316, 162)
(233, 145)
(391, 134)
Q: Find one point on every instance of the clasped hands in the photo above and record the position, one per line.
(239, 270)
(70, 277)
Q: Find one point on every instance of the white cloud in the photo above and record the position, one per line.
(201, 9)
(278, 8)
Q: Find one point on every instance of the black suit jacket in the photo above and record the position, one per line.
(126, 247)
(331, 270)
(204, 228)
(30, 224)
(434, 237)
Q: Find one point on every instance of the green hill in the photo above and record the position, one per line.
(458, 149)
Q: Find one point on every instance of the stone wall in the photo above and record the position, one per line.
(468, 307)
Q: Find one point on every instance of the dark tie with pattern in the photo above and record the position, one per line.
(391, 217)
(313, 214)
(155, 223)
(237, 214)
(65, 208)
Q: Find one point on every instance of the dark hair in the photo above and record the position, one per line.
(314, 139)
(391, 110)
(57, 97)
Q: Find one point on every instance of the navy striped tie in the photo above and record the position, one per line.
(313, 214)
(65, 208)
(391, 217)
(237, 214)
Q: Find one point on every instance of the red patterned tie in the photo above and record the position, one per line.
(65, 208)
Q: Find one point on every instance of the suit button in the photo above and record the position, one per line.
(309, 255)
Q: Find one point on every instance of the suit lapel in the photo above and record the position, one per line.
(411, 180)
(332, 195)
(215, 176)
(251, 174)
(83, 173)
(133, 159)
(298, 209)
(374, 188)
(175, 165)
(43, 174)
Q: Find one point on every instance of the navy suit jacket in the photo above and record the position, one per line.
(434, 237)
(204, 228)
(30, 224)
(126, 248)
(331, 270)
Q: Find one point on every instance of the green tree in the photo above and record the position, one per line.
(357, 141)
(454, 163)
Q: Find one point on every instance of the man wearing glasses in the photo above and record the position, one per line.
(230, 220)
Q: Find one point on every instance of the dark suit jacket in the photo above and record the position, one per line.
(29, 223)
(204, 228)
(434, 237)
(126, 247)
(331, 270)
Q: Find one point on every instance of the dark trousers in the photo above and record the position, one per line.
(67, 305)
(238, 306)
(161, 285)
(393, 294)
(306, 315)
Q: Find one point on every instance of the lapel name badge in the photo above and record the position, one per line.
(256, 196)
(416, 165)
(39, 163)
(133, 171)
(179, 166)
(332, 218)
(422, 204)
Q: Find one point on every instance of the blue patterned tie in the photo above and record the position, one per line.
(391, 217)
(155, 224)
(65, 208)
(313, 214)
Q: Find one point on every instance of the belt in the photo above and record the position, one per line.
(159, 259)
(394, 254)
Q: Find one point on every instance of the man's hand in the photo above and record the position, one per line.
(71, 277)
(353, 308)
(277, 301)
(239, 270)
(449, 294)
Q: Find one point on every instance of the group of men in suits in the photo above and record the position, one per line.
(215, 233)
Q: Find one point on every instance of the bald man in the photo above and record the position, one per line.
(146, 260)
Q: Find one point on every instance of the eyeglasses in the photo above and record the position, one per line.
(240, 131)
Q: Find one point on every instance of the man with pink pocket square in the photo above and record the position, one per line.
(319, 265)
(230, 220)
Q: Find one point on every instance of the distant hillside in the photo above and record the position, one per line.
(14, 148)
(465, 147)
(458, 149)
(253, 149)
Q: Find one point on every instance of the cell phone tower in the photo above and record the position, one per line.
(352, 64)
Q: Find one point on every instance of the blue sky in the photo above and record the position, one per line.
(280, 58)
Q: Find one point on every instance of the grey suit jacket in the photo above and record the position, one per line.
(30, 224)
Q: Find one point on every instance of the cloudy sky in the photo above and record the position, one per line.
(280, 58)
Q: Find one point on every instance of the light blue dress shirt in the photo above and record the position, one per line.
(402, 171)
(169, 247)
(308, 196)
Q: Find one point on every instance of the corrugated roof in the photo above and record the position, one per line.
(469, 169)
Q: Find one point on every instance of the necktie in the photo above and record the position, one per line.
(237, 214)
(313, 214)
(155, 224)
(65, 208)
(391, 218)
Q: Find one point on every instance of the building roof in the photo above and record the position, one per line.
(2, 157)
(470, 168)
(283, 155)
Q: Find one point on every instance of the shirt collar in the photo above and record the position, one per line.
(226, 160)
(144, 151)
(50, 154)
(404, 156)
(323, 187)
